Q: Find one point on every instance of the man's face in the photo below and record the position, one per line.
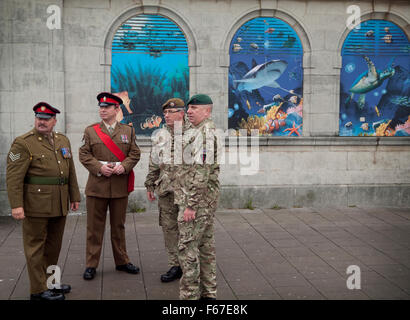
(45, 126)
(171, 115)
(109, 113)
(197, 113)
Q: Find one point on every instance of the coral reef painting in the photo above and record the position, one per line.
(266, 79)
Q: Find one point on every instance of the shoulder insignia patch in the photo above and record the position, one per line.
(13, 157)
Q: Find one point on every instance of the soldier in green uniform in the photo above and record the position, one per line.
(160, 178)
(42, 187)
(196, 194)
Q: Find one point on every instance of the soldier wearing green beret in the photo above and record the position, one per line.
(160, 178)
(196, 194)
(42, 187)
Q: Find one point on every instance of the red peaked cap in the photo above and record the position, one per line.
(106, 99)
(44, 110)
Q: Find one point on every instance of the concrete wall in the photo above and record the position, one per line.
(68, 67)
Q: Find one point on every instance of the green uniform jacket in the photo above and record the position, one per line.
(32, 155)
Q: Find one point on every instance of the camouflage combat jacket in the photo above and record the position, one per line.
(162, 161)
(197, 185)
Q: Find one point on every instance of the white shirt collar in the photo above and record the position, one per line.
(112, 126)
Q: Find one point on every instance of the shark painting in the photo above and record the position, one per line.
(261, 75)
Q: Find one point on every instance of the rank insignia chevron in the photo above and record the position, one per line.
(13, 156)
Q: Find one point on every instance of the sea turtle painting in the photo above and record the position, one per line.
(369, 80)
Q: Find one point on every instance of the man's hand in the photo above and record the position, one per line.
(118, 169)
(74, 206)
(150, 196)
(18, 213)
(106, 170)
(189, 214)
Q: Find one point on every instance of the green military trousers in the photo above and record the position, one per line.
(196, 248)
(168, 214)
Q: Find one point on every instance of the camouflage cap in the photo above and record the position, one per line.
(174, 103)
(200, 99)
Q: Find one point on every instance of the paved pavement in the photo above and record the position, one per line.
(298, 253)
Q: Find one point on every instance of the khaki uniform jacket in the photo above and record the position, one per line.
(32, 155)
(94, 150)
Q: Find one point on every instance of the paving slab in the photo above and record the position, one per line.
(262, 254)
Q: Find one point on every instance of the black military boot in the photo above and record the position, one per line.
(129, 268)
(172, 274)
(48, 295)
(64, 288)
(89, 273)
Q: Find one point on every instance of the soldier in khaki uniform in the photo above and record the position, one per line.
(197, 193)
(108, 183)
(160, 178)
(42, 186)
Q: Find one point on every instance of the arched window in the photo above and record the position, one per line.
(149, 66)
(266, 78)
(375, 81)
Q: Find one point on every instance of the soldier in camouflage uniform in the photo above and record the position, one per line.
(196, 194)
(160, 179)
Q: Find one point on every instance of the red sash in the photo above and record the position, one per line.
(116, 151)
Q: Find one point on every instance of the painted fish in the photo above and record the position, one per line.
(293, 99)
(237, 47)
(248, 104)
(388, 38)
(269, 30)
(153, 122)
(369, 33)
(365, 126)
(254, 45)
(377, 111)
(261, 75)
(230, 112)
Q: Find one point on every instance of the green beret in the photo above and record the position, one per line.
(173, 103)
(200, 99)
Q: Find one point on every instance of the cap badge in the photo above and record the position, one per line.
(105, 98)
(43, 108)
(172, 104)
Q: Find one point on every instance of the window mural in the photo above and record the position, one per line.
(375, 81)
(149, 66)
(266, 78)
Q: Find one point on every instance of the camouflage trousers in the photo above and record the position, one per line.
(196, 247)
(168, 214)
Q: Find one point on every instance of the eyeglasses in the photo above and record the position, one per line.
(165, 112)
